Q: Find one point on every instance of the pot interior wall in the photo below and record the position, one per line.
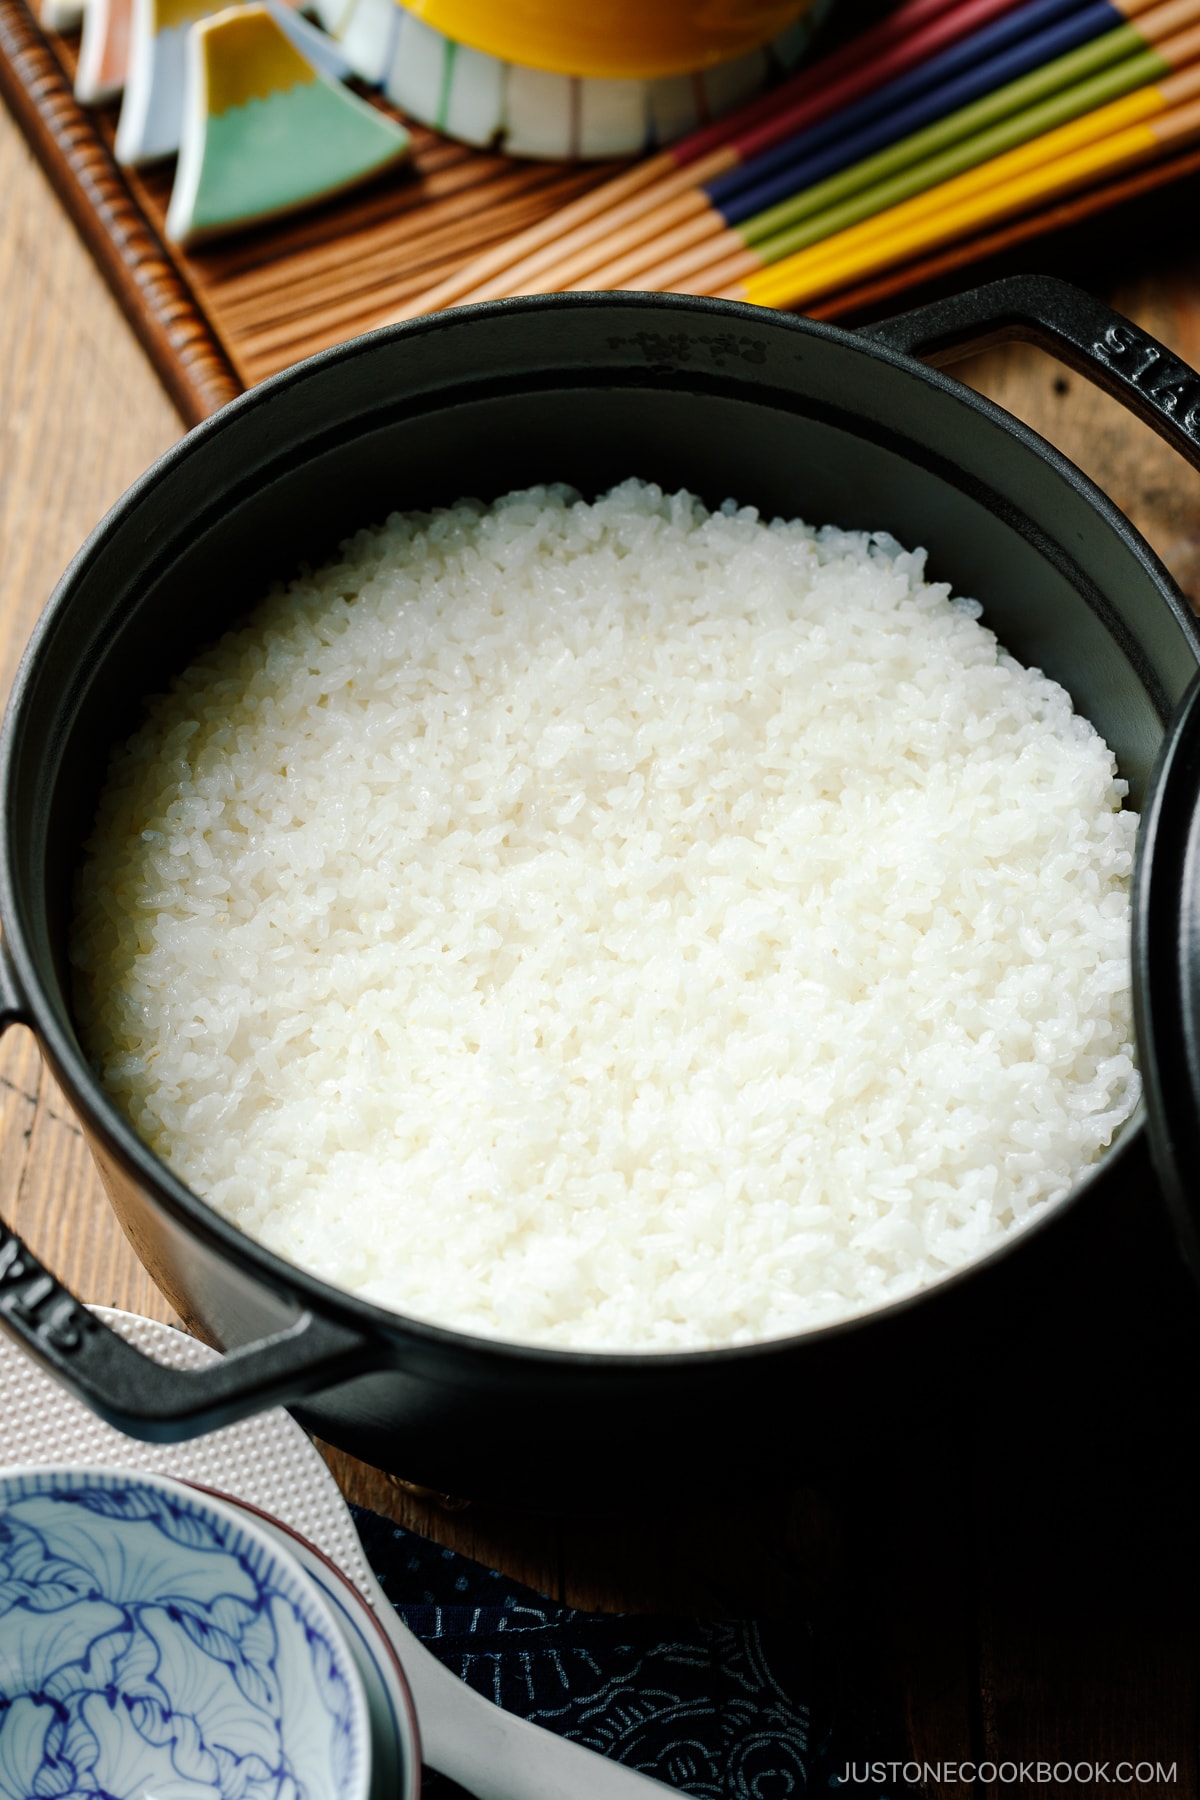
(839, 435)
(1040, 603)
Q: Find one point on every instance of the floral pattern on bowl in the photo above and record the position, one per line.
(152, 1643)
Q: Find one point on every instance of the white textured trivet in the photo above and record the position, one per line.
(267, 1460)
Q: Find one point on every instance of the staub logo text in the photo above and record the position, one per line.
(29, 1296)
(1161, 377)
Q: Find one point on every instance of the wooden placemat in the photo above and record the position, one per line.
(217, 321)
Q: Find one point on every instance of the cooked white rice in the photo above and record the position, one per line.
(615, 925)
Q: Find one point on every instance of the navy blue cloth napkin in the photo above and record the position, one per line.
(722, 1710)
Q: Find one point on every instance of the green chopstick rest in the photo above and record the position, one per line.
(264, 132)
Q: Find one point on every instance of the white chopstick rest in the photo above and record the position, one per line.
(152, 109)
(103, 51)
(151, 123)
(314, 44)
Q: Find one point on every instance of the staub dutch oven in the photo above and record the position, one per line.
(727, 400)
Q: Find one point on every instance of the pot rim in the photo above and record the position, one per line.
(65, 1056)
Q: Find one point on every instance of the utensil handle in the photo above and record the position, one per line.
(128, 1390)
(1081, 332)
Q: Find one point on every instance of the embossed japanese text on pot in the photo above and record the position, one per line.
(795, 417)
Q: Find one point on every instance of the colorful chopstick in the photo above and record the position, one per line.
(785, 172)
(1134, 129)
(1021, 41)
(1090, 76)
(818, 181)
(909, 17)
(913, 33)
(1053, 216)
(919, 92)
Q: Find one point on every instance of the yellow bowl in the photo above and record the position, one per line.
(612, 37)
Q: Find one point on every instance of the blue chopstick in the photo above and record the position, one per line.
(928, 80)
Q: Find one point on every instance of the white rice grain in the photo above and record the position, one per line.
(615, 925)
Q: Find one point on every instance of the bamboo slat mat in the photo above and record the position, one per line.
(216, 322)
(219, 321)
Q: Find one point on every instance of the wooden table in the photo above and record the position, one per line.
(1018, 1583)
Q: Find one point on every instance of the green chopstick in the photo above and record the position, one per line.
(1116, 63)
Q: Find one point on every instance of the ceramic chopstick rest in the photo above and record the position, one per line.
(311, 41)
(483, 100)
(151, 120)
(264, 131)
(103, 51)
(370, 37)
(152, 109)
(103, 64)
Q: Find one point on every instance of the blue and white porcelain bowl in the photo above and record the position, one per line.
(156, 1645)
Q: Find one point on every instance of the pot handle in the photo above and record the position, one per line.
(143, 1398)
(1081, 332)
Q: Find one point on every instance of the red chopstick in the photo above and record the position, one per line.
(897, 43)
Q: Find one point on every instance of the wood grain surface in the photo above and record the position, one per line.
(227, 315)
(1019, 1581)
(127, 248)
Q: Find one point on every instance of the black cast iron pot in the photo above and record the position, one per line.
(796, 417)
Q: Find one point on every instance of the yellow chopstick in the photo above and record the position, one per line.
(1129, 130)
